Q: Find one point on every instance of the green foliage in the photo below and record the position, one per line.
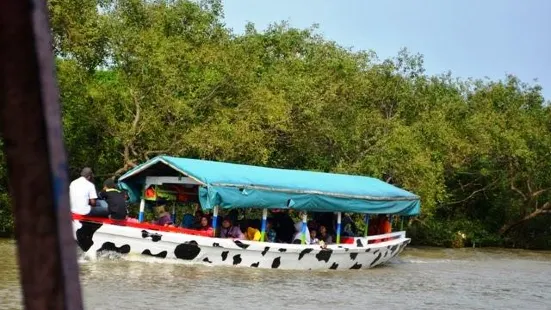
(141, 78)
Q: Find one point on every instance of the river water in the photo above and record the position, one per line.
(425, 278)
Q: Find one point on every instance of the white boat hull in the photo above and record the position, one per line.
(94, 238)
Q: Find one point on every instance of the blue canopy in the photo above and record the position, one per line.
(242, 186)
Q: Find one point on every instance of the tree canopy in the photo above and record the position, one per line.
(141, 78)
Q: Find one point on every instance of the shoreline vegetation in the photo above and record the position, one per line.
(141, 78)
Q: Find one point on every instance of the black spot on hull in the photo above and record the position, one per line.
(367, 250)
(324, 255)
(304, 252)
(255, 265)
(356, 266)
(241, 244)
(159, 255)
(225, 255)
(266, 249)
(237, 259)
(154, 237)
(187, 251)
(376, 251)
(376, 260)
(359, 243)
(282, 250)
(334, 266)
(386, 253)
(276, 262)
(216, 244)
(206, 260)
(353, 256)
(111, 247)
(346, 249)
(85, 235)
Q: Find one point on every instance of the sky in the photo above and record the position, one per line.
(470, 38)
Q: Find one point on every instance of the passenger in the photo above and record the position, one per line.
(384, 225)
(197, 221)
(230, 231)
(187, 221)
(84, 198)
(271, 234)
(205, 225)
(373, 227)
(349, 227)
(313, 225)
(313, 239)
(233, 215)
(163, 217)
(297, 239)
(325, 236)
(284, 226)
(252, 233)
(116, 200)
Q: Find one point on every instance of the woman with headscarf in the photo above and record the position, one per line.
(163, 217)
(230, 231)
(205, 225)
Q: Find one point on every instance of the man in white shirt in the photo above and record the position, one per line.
(84, 198)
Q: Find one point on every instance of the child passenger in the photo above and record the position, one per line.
(313, 239)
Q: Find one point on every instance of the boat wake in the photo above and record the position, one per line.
(131, 257)
(400, 261)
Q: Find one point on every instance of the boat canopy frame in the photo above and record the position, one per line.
(229, 186)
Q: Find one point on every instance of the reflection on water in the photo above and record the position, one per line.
(418, 279)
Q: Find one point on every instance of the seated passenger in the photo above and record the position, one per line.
(373, 227)
(313, 239)
(252, 233)
(197, 220)
(187, 221)
(230, 231)
(384, 225)
(205, 225)
(283, 226)
(270, 232)
(349, 226)
(83, 197)
(163, 217)
(116, 200)
(325, 236)
(297, 239)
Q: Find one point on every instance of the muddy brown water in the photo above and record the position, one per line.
(420, 278)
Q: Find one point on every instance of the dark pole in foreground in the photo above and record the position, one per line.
(30, 124)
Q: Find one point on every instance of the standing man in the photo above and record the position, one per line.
(84, 199)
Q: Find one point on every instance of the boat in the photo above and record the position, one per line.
(219, 187)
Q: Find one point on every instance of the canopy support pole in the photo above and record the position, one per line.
(142, 209)
(264, 220)
(339, 219)
(402, 223)
(304, 226)
(366, 230)
(390, 221)
(214, 220)
(174, 213)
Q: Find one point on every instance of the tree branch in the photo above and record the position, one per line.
(513, 187)
(546, 208)
(471, 195)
